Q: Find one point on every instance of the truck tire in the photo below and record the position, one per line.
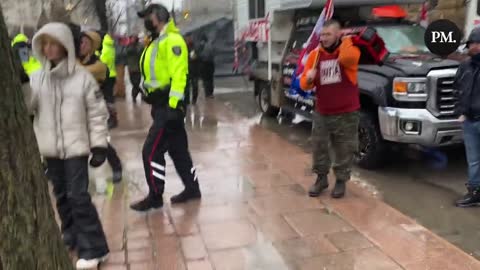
(263, 99)
(371, 146)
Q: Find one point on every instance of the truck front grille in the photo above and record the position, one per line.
(445, 99)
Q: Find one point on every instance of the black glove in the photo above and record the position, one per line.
(174, 115)
(145, 98)
(99, 155)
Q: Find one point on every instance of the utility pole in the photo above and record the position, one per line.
(173, 12)
(129, 22)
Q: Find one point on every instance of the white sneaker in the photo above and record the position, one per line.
(90, 264)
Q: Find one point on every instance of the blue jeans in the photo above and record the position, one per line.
(471, 133)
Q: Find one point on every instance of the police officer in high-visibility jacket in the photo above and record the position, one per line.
(164, 67)
(30, 64)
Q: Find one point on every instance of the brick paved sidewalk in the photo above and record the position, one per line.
(255, 213)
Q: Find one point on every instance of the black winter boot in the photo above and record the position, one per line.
(320, 185)
(339, 189)
(186, 195)
(471, 199)
(151, 201)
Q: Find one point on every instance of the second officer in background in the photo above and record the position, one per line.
(164, 67)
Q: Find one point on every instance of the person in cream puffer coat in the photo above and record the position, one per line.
(67, 102)
(70, 123)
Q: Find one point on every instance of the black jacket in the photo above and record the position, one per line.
(206, 52)
(467, 86)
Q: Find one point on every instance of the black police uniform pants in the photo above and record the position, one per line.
(171, 138)
(80, 221)
(135, 79)
(107, 90)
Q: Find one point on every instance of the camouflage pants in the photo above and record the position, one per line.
(340, 132)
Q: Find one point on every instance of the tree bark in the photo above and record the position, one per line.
(101, 9)
(30, 237)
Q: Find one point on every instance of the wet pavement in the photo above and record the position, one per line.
(409, 182)
(255, 213)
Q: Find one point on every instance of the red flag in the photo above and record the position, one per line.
(424, 15)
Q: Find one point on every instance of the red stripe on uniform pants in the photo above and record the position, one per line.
(155, 145)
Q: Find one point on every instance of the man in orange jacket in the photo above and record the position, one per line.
(332, 70)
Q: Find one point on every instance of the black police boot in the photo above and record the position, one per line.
(150, 202)
(186, 195)
(471, 199)
(339, 189)
(320, 185)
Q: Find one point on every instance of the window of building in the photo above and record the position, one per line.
(256, 9)
(261, 8)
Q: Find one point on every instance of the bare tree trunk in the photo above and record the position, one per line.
(101, 9)
(30, 237)
(58, 12)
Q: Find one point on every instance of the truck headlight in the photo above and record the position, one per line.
(410, 89)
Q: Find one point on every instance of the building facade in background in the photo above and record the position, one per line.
(201, 17)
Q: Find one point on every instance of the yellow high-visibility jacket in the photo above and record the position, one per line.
(164, 65)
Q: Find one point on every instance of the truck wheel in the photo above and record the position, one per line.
(371, 146)
(263, 99)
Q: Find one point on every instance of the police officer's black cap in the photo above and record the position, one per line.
(160, 9)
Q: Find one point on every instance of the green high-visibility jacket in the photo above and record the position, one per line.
(164, 64)
(108, 55)
(31, 64)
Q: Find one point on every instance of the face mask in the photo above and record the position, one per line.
(476, 57)
(149, 26)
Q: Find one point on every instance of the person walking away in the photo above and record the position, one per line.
(193, 73)
(206, 55)
(134, 52)
(332, 69)
(164, 65)
(70, 123)
(467, 88)
(90, 42)
(108, 58)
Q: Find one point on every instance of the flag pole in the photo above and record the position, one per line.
(317, 56)
(173, 12)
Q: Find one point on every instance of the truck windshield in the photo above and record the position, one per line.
(399, 39)
(403, 38)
